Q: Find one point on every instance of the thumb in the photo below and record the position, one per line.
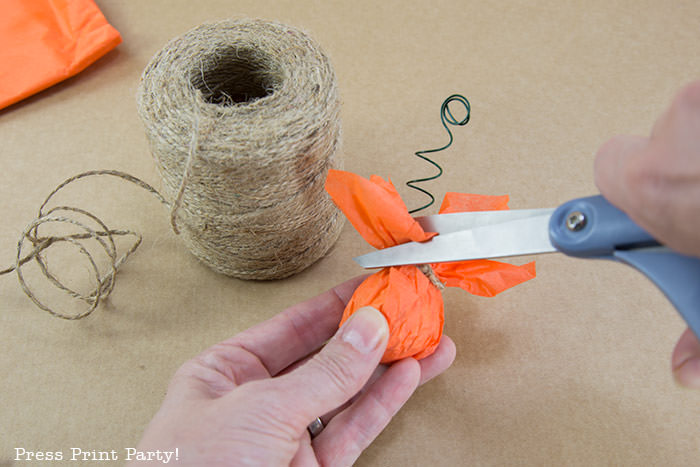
(339, 370)
(614, 169)
(686, 360)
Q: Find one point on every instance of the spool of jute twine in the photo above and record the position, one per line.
(242, 118)
(243, 122)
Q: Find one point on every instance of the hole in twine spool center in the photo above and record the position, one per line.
(236, 76)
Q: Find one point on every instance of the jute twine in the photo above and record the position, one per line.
(243, 122)
(242, 118)
(432, 277)
(88, 234)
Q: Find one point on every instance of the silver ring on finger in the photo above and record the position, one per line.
(315, 427)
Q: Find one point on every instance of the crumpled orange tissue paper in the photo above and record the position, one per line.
(43, 42)
(410, 302)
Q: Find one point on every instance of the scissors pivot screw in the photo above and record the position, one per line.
(575, 221)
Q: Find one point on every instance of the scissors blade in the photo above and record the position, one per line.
(517, 237)
(453, 222)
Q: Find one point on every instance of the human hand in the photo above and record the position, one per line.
(656, 181)
(249, 399)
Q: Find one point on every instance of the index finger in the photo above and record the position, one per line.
(298, 330)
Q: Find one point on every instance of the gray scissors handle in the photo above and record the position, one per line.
(593, 228)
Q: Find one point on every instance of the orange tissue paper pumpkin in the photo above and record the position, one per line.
(410, 301)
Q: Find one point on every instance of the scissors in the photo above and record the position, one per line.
(584, 228)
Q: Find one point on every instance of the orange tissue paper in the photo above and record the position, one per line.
(46, 41)
(410, 302)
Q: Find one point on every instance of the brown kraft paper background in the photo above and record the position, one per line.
(571, 368)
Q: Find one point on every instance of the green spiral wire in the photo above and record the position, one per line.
(447, 118)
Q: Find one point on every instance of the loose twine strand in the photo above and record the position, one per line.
(103, 235)
(186, 175)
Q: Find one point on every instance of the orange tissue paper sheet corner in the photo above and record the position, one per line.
(413, 305)
(463, 202)
(43, 42)
(481, 277)
(375, 209)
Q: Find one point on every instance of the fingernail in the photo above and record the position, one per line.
(687, 373)
(364, 330)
